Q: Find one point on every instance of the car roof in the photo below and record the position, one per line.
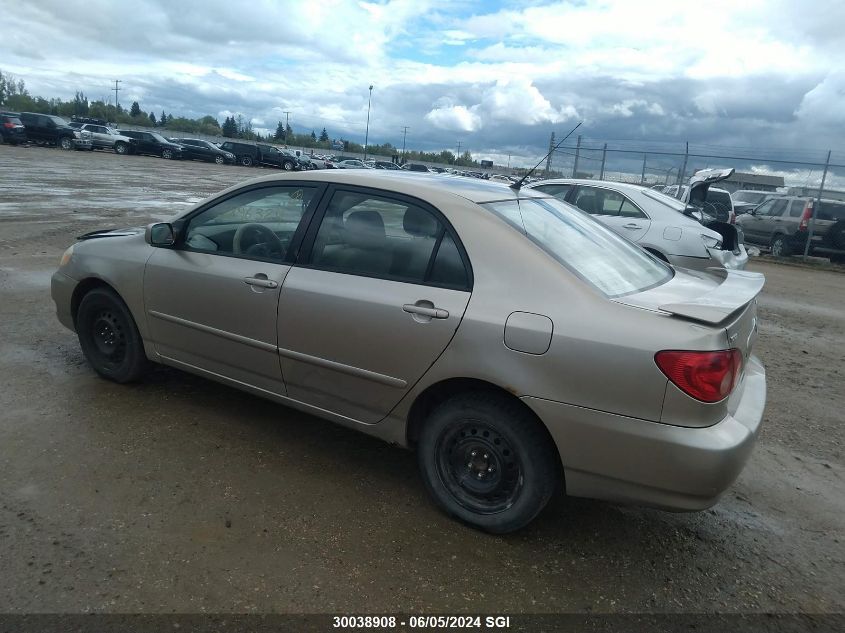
(412, 184)
(621, 186)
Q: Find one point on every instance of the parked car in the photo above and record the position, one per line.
(153, 144)
(12, 130)
(747, 199)
(783, 224)
(350, 164)
(416, 167)
(282, 158)
(403, 311)
(246, 154)
(104, 137)
(198, 149)
(660, 224)
(47, 129)
(386, 164)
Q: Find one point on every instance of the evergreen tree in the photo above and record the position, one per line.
(280, 132)
(162, 119)
(324, 136)
(135, 110)
(152, 118)
(313, 136)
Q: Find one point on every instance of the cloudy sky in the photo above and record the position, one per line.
(496, 76)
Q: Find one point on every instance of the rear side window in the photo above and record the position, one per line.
(374, 236)
(831, 211)
(796, 209)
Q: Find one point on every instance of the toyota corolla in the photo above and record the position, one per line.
(518, 346)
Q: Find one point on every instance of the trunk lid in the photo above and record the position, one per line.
(709, 297)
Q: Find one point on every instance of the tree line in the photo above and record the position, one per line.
(15, 96)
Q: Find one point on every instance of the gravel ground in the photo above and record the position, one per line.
(179, 495)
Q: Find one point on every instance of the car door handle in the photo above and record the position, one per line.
(261, 281)
(631, 226)
(434, 313)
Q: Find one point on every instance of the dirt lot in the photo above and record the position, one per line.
(179, 495)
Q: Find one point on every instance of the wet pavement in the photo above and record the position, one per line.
(180, 495)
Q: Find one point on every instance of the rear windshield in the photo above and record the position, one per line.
(593, 252)
(12, 119)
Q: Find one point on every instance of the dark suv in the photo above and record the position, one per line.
(246, 154)
(12, 130)
(275, 157)
(47, 129)
(154, 144)
(197, 149)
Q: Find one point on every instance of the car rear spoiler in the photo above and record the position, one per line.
(739, 288)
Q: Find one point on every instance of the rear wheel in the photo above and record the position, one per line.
(288, 165)
(487, 461)
(166, 153)
(109, 337)
(246, 161)
(121, 148)
(780, 247)
(837, 235)
(66, 143)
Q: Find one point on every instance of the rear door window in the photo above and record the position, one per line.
(796, 208)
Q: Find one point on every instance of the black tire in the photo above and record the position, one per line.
(780, 246)
(219, 159)
(121, 148)
(487, 461)
(246, 161)
(109, 337)
(167, 154)
(837, 259)
(288, 165)
(66, 143)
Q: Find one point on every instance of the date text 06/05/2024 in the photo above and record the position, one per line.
(421, 622)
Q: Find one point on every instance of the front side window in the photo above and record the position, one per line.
(609, 263)
(370, 235)
(259, 223)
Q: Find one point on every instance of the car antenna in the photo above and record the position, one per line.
(515, 186)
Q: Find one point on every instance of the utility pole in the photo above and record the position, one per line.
(404, 134)
(549, 157)
(642, 176)
(683, 173)
(603, 159)
(816, 208)
(367, 135)
(459, 150)
(577, 156)
(287, 118)
(116, 90)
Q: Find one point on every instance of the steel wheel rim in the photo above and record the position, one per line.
(109, 338)
(479, 467)
(777, 248)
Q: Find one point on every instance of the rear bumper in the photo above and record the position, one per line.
(61, 290)
(613, 457)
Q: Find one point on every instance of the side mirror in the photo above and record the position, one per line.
(160, 235)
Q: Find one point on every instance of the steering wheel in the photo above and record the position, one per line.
(258, 240)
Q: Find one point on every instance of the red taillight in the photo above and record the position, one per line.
(706, 376)
(8, 125)
(805, 217)
(733, 216)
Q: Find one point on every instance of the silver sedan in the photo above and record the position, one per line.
(519, 346)
(666, 227)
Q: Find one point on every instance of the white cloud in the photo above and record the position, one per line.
(455, 118)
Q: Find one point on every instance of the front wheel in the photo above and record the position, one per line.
(166, 153)
(488, 461)
(66, 143)
(121, 148)
(246, 161)
(287, 165)
(780, 247)
(109, 337)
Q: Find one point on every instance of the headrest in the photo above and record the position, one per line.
(420, 223)
(364, 229)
